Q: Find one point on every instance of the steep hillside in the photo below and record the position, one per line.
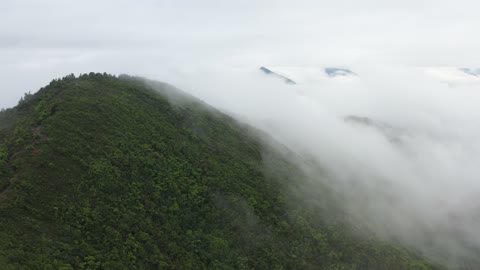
(104, 172)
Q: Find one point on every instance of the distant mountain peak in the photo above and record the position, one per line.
(393, 134)
(266, 70)
(471, 71)
(269, 72)
(306, 74)
(334, 71)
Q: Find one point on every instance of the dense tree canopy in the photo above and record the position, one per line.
(105, 172)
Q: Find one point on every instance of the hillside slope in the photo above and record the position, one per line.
(103, 172)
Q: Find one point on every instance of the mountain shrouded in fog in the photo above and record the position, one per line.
(105, 172)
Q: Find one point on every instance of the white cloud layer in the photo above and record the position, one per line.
(410, 173)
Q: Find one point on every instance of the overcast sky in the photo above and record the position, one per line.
(170, 40)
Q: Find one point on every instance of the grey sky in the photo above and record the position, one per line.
(168, 40)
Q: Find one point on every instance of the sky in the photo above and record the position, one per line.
(423, 183)
(176, 40)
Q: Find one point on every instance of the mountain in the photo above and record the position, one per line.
(334, 72)
(471, 71)
(454, 76)
(299, 75)
(271, 73)
(106, 172)
(393, 134)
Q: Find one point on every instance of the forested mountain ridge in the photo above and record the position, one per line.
(105, 172)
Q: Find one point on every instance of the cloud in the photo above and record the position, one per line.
(421, 187)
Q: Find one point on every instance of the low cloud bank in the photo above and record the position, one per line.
(402, 146)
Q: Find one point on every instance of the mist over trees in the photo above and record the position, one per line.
(103, 172)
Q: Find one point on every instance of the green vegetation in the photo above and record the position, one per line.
(100, 172)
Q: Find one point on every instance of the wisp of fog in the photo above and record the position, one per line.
(402, 146)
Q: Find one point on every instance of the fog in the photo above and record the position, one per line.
(420, 186)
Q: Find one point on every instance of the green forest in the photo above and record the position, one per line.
(106, 172)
